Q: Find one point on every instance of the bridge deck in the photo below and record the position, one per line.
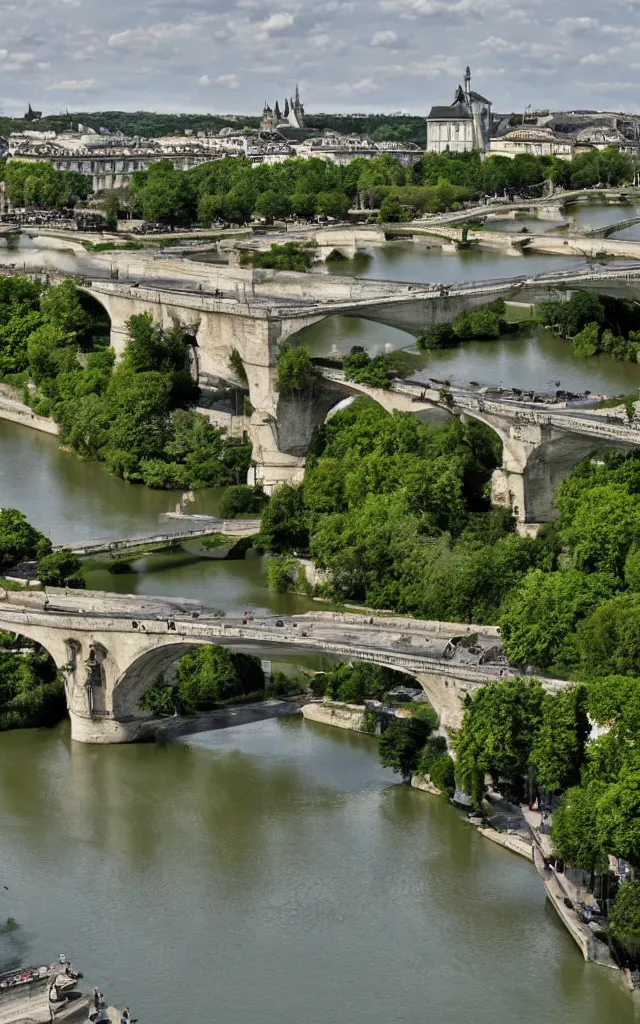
(233, 528)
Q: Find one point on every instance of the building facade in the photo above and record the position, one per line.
(462, 127)
(534, 141)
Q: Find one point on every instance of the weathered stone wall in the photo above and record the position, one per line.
(343, 716)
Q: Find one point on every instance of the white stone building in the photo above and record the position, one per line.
(462, 127)
(534, 141)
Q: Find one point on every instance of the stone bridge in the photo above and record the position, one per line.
(110, 649)
(253, 312)
(541, 443)
(611, 229)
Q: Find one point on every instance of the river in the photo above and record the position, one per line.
(275, 873)
(272, 872)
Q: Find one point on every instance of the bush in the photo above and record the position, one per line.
(242, 500)
(282, 574)
(61, 569)
(296, 372)
(624, 917)
(442, 774)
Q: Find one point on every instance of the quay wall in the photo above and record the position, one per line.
(16, 411)
(343, 716)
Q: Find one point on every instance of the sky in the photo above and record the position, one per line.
(226, 56)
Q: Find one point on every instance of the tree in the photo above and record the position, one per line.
(497, 735)
(273, 206)
(391, 210)
(111, 211)
(284, 525)
(574, 830)
(19, 540)
(609, 639)
(558, 750)
(241, 500)
(618, 815)
(61, 569)
(401, 744)
(210, 675)
(140, 427)
(624, 917)
(332, 204)
(539, 627)
(296, 372)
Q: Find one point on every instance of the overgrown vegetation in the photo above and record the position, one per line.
(40, 185)
(289, 256)
(594, 323)
(206, 678)
(31, 689)
(483, 324)
(136, 417)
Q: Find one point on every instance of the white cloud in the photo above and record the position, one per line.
(153, 37)
(228, 81)
(348, 88)
(204, 80)
(278, 22)
(321, 42)
(386, 38)
(578, 25)
(594, 58)
(73, 85)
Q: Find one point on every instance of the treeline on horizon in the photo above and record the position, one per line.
(380, 127)
(232, 190)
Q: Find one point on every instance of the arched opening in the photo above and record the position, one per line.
(32, 686)
(146, 671)
(547, 467)
(98, 333)
(191, 343)
(333, 336)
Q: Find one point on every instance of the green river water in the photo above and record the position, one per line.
(275, 872)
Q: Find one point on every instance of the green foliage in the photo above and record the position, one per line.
(401, 744)
(479, 325)
(391, 210)
(160, 699)
(624, 916)
(289, 256)
(575, 833)
(497, 735)
(282, 574)
(19, 541)
(539, 627)
(212, 675)
(358, 682)
(595, 323)
(31, 691)
(361, 368)
(284, 526)
(40, 185)
(558, 750)
(134, 418)
(433, 749)
(443, 774)
(61, 569)
(296, 372)
(241, 500)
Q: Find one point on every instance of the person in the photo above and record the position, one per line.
(96, 997)
(126, 1016)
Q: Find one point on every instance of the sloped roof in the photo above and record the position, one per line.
(479, 99)
(456, 112)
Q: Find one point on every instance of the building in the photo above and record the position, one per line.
(534, 141)
(292, 116)
(462, 127)
(342, 149)
(32, 115)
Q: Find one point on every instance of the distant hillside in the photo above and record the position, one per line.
(381, 127)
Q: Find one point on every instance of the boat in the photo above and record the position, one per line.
(41, 993)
